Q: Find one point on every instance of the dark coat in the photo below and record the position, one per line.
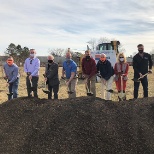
(105, 68)
(142, 64)
(51, 72)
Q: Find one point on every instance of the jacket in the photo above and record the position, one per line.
(105, 68)
(121, 67)
(89, 67)
(51, 72)
(141, 64)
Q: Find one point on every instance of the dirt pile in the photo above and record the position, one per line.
(77, 126)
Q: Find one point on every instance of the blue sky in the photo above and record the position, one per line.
(46, 24)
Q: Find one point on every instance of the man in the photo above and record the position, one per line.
(89, 71)
(12, 76)
(106, 71)
(70, 71)
(142, 64)
(31, 67)
(51, 76)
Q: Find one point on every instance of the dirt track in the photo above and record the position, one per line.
(77, 126)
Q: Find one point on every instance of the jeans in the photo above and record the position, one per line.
(144, 82)
(13, 89)
(32, 86)
(55, 90)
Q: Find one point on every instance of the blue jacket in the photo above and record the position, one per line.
(105, 68)
(69, 66)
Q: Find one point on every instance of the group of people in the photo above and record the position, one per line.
(142, 64)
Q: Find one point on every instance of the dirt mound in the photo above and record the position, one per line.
(77, 126)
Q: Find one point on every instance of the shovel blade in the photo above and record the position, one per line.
(9, 94)
(70, 92)
(122, 95)
(46, 91)
(90, 94)
(136, 80)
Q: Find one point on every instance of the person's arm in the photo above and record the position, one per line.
(37, 67)
(109, 71)
(15, 74)
(93, 68)
(83, 69)
(97, 66)
(150, 63)
(115, 69)
(126, 71)
(135, 66)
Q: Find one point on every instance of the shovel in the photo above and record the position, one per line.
(45, 90)
(138, 80)
(8, 93)
(89, 93)
(112, 91)
(68, 91)
(32, 88)
(122, 95)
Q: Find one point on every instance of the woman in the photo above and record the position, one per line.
(121, 72)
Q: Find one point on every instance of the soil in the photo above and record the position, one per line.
(77, 126)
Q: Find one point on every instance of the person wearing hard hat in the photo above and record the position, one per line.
(11, 71)
(106, 72)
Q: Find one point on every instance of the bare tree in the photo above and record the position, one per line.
(92, 43)
(57, 52)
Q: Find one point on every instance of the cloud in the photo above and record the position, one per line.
(48, 24)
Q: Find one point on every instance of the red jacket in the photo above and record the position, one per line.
(89, 67)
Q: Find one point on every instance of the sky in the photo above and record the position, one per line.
(48, 24)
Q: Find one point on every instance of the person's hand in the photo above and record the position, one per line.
(140, 75)
(104, 81)
(150, 71)
(62, 77)
(67, 83)
(86, 80)
(30, 77)
(7, 84)
(45, 79)
(120, 73)
(44, 75)
(5, 77)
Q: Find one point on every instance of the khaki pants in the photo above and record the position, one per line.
(106, 95)
(72, 88)
(91, 85)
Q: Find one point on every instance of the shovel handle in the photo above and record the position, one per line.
(143, 76)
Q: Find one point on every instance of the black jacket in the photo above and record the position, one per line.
(141, 64)
(105, 68)
(51, 72)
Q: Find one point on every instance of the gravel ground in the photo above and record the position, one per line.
(77, 126)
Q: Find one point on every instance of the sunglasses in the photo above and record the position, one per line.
(121, 57)
(9, 60)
